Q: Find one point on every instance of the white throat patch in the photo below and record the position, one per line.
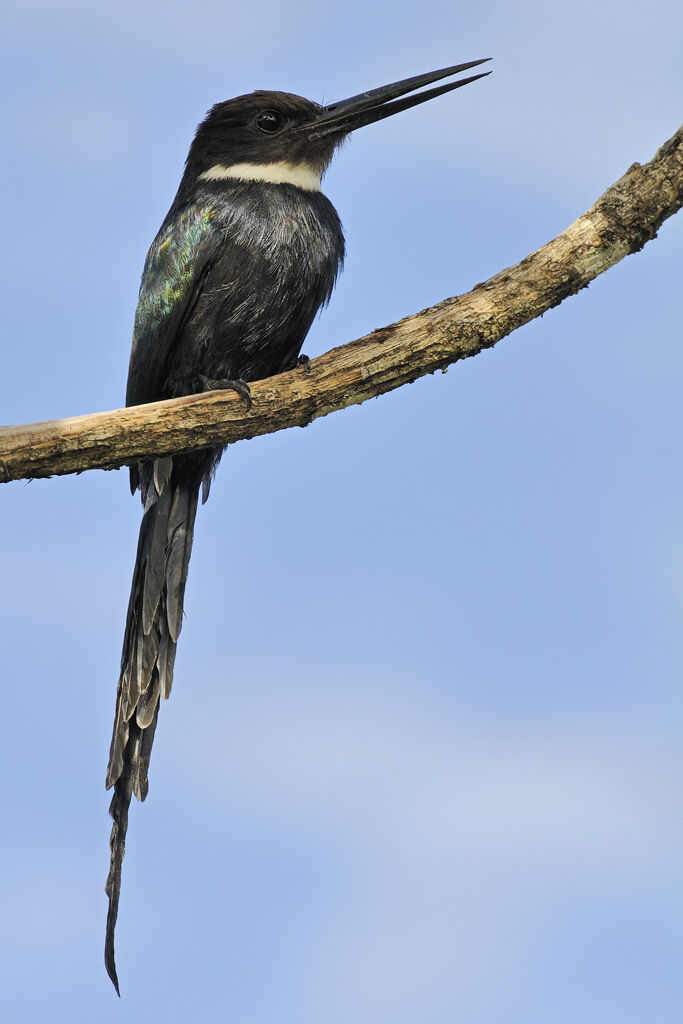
(282, 173)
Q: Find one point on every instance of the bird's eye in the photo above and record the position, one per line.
(269, 121)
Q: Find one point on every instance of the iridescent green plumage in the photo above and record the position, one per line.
(171, 279)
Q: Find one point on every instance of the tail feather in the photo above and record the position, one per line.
(180, 532)
(119, 811)
(154, 569)
(141, 755)
(170, 491)
(165, 662)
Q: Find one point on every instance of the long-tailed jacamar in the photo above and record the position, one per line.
(246, 256)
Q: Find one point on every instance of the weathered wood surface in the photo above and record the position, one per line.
(625, 217)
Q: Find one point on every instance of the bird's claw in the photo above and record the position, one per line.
(239, 386)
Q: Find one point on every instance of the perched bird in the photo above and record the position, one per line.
(246, 256)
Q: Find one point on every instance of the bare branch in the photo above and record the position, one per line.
(625, 217)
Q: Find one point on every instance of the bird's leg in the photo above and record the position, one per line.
(297, 362)
(239, 385)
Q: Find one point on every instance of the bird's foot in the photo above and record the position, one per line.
(240, 386)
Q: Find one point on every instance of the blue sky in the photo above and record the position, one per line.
(423, 757)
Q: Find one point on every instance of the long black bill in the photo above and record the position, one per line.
(347, 115)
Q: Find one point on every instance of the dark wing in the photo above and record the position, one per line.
(171, 281)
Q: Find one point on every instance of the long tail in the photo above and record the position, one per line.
(170, 490)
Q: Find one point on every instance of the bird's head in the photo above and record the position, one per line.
(282, 138)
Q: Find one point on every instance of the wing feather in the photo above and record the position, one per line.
(171, 281)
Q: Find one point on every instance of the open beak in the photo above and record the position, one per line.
(347, 115)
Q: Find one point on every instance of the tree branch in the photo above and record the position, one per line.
(625, 217)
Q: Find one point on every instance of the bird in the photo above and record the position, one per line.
(246, 256)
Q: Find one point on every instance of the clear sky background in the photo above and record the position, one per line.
(423, 758)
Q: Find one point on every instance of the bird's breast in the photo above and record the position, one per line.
(282, 249)
(279, 250)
